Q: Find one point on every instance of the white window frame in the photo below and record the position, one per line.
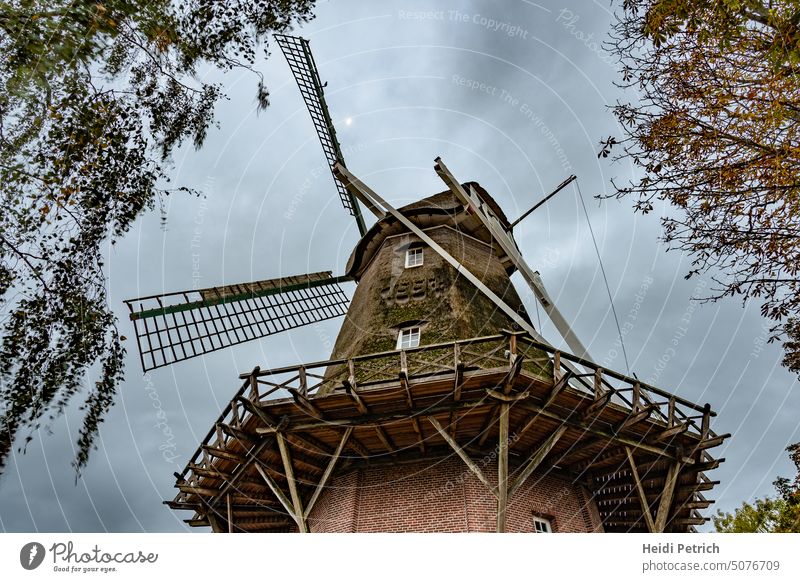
(542, 522)
(415, 257)
(409, 337)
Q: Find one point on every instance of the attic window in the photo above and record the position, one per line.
(541, 525)
(414, 257)
(408, 338)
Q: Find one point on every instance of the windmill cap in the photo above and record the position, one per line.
(436, 210)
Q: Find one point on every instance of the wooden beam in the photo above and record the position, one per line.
(328, 471)
(690, 521)
(245, 438)
(513, 371)
(287, 505)
(669, 433)
(502, 469)
(224, 454)
(202, 491)
(230, 513)
(558, 385)
(384, 438)
(597, 406)
(464, 457)
(711, 443)
(305, 404)
(507, 398)
(648, 517)
(536, 459)
(666, 497)
(287, 467)
(256, 410)
(636, 417)
(704, 504)
(590, 428)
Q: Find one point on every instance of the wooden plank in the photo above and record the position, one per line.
(648, 517)
(536, 459)
(328, 471)
(464, 457)
(287, 467)
(502, 469)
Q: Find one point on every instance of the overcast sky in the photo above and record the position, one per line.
(513, 95)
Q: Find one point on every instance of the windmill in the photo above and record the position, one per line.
(388, 407)
(177, 326)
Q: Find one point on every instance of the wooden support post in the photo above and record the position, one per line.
(598, 382)
(666, 497)
(458, 368)
(287, 467)
(556, 366)
(254, 396)
(351, 375)
(706, 425)
(328, 471)
(637, 395)
(273, 486)
(303, 380)
(230, 513)
(237, 421)
(648, 517)
(502, 469)
(213, 521)
(536, 459)
(671, 412)
(464, 457)
(404, 378)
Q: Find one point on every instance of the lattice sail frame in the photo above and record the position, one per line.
(178, 326)
(301, 62)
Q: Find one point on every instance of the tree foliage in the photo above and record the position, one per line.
(94, 98)
(779, 514)
(715, 133)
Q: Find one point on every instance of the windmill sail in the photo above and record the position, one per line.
(301, 62)
(178, 326)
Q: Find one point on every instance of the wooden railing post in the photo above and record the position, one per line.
(254, 396)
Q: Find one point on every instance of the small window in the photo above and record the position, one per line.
(408, 338)
(541, 525)
(414, 257)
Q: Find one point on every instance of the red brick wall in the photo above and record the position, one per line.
(444, 496)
